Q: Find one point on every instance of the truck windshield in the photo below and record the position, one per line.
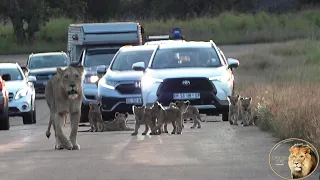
(47, 61)
(98, 57)
(125, 59)
(195, 57)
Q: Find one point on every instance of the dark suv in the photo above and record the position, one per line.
(43, 66)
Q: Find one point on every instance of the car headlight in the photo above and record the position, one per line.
(147, 81)
(222, 79)
(91, 79)
(22, 93)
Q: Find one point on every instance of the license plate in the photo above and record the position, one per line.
(134, 101)
(45, 83)
(182, 96)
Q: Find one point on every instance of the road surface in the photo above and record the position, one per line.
(218, 151)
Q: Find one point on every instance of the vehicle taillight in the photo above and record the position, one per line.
(1, 84)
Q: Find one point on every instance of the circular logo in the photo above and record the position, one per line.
(186, 82)
(293, 158)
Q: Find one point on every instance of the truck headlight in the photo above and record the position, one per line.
(147, 81)
(223, 79)
(91, 79)
(22, 93)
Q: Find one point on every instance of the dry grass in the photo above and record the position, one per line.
(285, 88)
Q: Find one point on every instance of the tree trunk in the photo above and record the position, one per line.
(17, 24)
(33, 27)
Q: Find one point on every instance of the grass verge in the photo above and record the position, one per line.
(227, 28)
(285, 88)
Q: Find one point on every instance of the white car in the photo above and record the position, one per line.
(21, 92)
(194, 71)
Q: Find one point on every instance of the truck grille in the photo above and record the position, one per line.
(128, 89)
(44, 76)
(175, 85)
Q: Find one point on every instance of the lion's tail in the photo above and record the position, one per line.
(198, 116)
(48, 133)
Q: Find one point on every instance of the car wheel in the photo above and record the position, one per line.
(225, 117)
(84, 113)
(4, 121)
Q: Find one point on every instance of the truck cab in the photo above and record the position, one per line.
(93, 46)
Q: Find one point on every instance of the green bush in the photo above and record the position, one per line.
(227, 28)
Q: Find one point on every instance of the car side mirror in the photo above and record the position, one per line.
(233, 63)
(6, 77)
(101, 70)
(32, 79)
(139, 66)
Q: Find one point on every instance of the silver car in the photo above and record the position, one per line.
(21, 92)
(119, 88)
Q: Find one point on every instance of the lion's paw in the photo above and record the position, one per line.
(173, 132)
(134, 134)
(192, 127)
(166, 132)
(179, 133)
(144, 133)
(199, 127)
(76, 147)
(58, 147)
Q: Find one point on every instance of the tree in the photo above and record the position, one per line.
(34, 13)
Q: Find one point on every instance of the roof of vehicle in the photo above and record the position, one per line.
(186, 44)
(8, 65)
(138, 48)
(163, 42)
(48, 53)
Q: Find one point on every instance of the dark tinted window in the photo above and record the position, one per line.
(47, 61)
(98, 57)
(125, 59)
(197, 57)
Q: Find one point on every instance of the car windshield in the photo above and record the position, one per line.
(15, 73)
(197, 57)
(126, 59)
(47, 61)
(98, 57)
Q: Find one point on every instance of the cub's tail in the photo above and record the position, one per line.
(198, 116)
(85, 130)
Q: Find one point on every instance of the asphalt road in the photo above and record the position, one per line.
(218, 151)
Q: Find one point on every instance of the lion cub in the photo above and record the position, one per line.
(246, 111)
(190, 112)
(234, 109)
(142, 118)
(95, 117)
(118, 124)
(170, 115)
